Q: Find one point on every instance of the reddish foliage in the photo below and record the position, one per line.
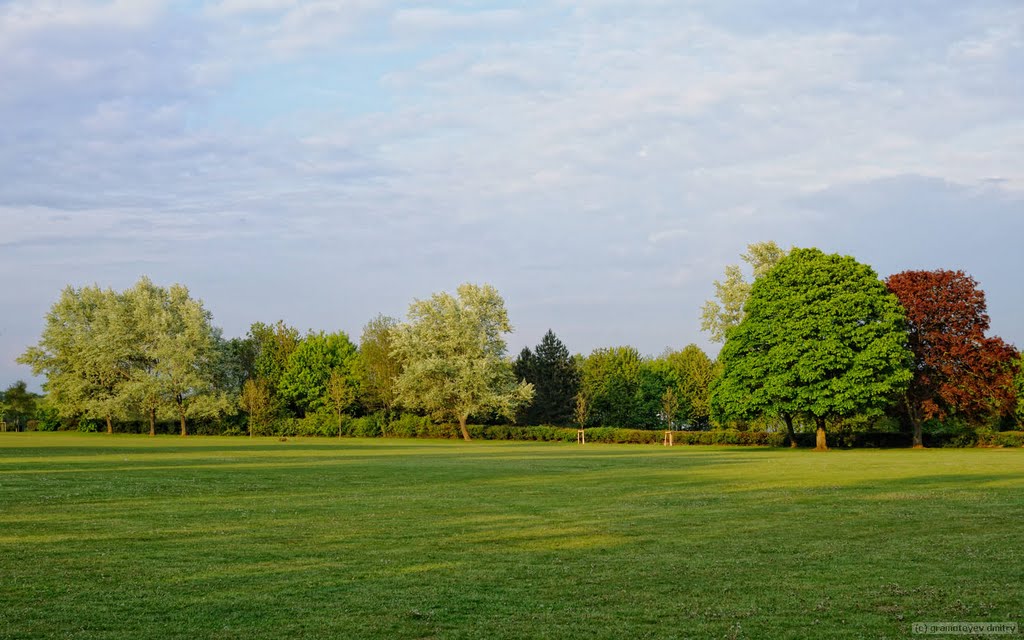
(956, 368)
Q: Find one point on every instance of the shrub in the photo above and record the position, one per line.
(365, 427)
(87, 425)
(1007, 439)
(406, 426)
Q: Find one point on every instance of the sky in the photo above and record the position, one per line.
(598, 162)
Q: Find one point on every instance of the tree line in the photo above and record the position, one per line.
(812, 340)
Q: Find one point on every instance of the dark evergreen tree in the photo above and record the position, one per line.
(555, 379)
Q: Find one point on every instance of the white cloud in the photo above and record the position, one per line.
(614, 148)
(431, 20)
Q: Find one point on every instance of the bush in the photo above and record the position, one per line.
(87, 425)
(1006, 439)
(406, 426)
(364, 427)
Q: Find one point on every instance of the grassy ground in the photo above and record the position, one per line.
(131, 537)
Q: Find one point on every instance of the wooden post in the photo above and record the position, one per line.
(668, 439)
(581, 436)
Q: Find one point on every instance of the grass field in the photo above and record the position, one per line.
(132, 537)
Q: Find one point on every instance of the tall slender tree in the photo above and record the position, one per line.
(555, 379)
(378, 364)
(726, 310)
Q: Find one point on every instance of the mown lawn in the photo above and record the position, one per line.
(131, 537)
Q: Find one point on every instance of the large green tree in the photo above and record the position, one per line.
(454, 357)
(611, 383)
(688, 374)
(270, 348)
(186, 356)
(822, 338)
(555, 379)
(86, 353)
(304, 382)
(725, 311)
(18, 404)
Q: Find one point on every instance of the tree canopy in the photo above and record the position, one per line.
(379, 365)
(822, 337)
(453, 353)
(726, 310)
(555, 379)
(305, 380)
(107, 354)
(957, 369)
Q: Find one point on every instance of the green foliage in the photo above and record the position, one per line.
(823, 337)
(48, 416)
(18, 405)
(365, 427)
(407, 425)
(269, 350)
(726, 311)
(1018, 381)
(85, 352)
(623, 436)
(305, 380)
(688, 373)
(110, 355)
(258, 401)
(453, 353)
(611, 383)
(1006, 439)
(555, 379)
(379, 365)
(622, 389)
(177, 351)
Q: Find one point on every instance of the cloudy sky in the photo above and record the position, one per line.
(599, 162)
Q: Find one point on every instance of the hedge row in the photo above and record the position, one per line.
(412, 426)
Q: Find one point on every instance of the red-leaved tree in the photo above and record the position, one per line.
(957, 370)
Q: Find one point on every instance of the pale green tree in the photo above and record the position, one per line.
(379, 365)
(341, 393)
(257, 400)
(180, 351)
(145, 304)
(86, 354)
(581, 412)
(727, 309)
(454, 356)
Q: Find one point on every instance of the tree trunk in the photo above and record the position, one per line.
(916, 422)
(340, 423)
(789, 429)
(820, 441)
(181, 412)
(110, 425)
(152, 421)
(462, 426)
